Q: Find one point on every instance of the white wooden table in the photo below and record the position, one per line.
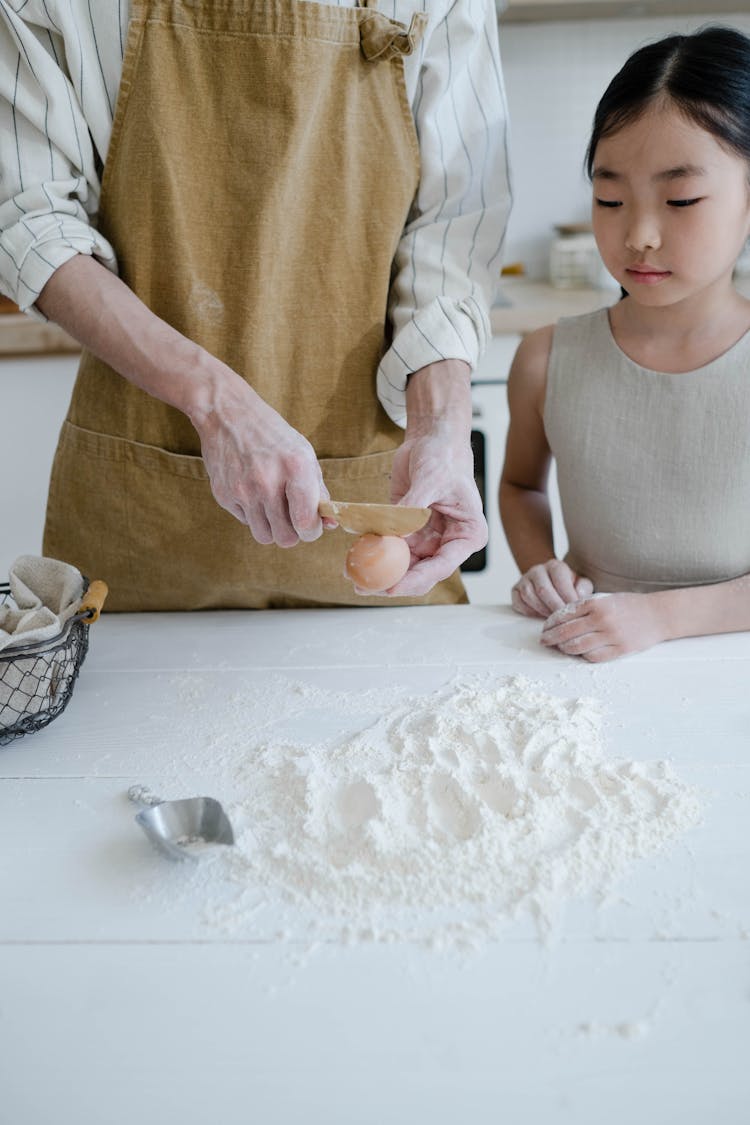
(113, 1009)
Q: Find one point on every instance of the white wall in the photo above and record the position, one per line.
(555, 74)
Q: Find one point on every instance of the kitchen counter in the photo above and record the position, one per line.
(20, 335)
(532, 304)
(526, 11)
(120, 1002)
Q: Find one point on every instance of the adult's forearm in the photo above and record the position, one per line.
(698, 611)
(438, 397)
(102, 313)
(260, 469)
(527, 521)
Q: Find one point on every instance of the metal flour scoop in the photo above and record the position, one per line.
(188, 829)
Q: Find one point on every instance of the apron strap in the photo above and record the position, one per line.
(382, 38)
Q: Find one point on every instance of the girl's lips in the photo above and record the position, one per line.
(648, 276)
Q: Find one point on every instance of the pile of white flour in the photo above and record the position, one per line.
(445, 819)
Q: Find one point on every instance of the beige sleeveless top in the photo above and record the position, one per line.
(653, 468)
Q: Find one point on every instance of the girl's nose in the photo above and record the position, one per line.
(642, 234)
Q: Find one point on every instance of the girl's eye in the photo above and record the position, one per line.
(682, 202)
(608, 203)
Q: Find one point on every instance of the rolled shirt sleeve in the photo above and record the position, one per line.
(449, 256)
(49, 188)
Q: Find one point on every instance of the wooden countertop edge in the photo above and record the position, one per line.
(535, 303)
(22, 336)
(532, 305)
(538, 305)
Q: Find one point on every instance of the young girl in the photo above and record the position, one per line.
(646, 406)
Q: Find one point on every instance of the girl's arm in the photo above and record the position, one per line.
(546, 583)
(604, 628)
(697, 611)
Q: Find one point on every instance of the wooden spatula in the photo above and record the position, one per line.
(381, 519)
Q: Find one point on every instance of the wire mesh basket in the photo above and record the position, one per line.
(37, 680)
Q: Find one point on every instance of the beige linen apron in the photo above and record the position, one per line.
(262, 165)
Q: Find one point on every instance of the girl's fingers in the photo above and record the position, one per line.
(529, 595)
(572, 622)
(578, 638)
(581, 645)
(602, 654)
(545, 591)
(519, 605)
(550, 598)
(562, 579)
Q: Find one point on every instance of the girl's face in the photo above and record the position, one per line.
(671, 207)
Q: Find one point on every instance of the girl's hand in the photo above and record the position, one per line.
(604, 628)
(547, 587)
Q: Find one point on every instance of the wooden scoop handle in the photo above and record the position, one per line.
(380, 519)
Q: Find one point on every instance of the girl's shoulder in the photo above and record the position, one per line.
(571, 334)
(532, 355)
(527, 380)
(547, 357)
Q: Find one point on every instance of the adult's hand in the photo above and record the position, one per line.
(547, 587)
(429, 474)
(434, 468)
(261, 469)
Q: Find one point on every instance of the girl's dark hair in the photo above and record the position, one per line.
(706, 75)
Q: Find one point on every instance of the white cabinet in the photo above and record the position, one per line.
(492, 585)
(526, 11)
(34, 393)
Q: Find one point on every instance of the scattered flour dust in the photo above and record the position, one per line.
(445, 819)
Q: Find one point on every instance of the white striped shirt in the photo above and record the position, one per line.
(60, 69)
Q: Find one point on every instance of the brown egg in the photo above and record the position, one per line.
(377, 562)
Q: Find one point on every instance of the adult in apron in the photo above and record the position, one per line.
(286, 124)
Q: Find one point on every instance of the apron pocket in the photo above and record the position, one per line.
(363, 480)
(129, 513)
(146, 522)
